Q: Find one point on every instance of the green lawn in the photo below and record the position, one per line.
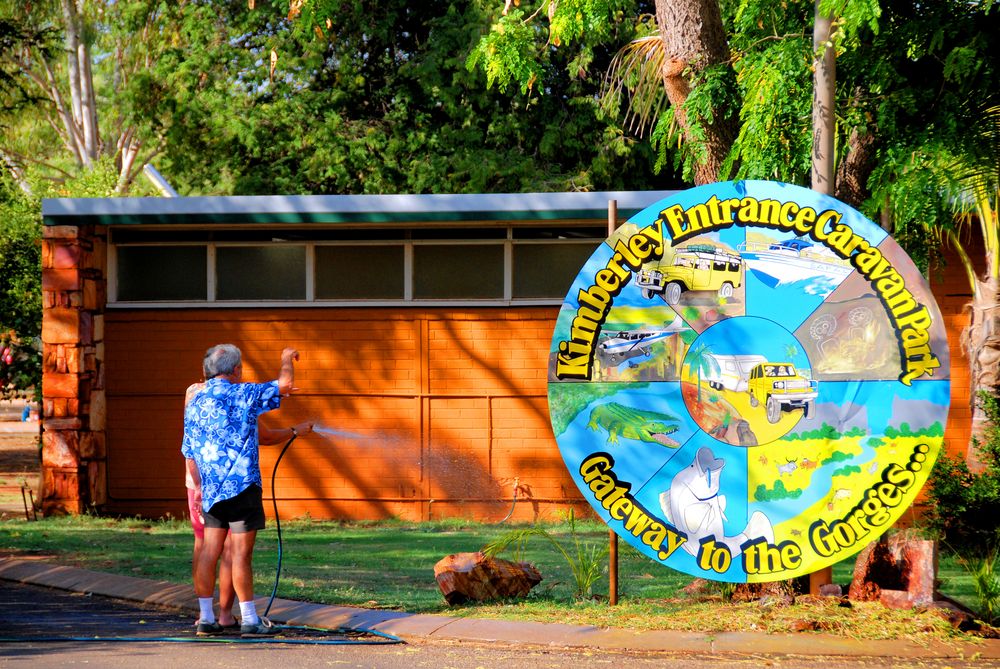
(389, 565)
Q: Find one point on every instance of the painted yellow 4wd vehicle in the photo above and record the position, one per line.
(780, 388)
(693, 267)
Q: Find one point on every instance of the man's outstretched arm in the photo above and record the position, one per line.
(286, 377)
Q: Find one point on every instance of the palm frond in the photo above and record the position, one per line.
(978, 174)
(636, 75)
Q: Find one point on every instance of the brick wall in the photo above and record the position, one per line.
(952, 293)
(438, 413)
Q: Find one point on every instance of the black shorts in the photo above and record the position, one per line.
(243, 513)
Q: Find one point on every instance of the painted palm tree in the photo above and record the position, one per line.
(701, 361)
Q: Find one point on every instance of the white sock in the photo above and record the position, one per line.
(248, 612)
(207, 612)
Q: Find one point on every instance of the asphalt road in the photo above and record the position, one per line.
(31, 616)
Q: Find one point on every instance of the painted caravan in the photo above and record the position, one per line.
(733, 371)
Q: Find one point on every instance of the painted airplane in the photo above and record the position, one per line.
(614, 349)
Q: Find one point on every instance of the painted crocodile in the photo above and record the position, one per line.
(633, 424)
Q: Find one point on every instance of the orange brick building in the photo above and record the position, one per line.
(424, 325)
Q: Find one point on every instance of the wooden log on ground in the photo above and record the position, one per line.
(464, 577)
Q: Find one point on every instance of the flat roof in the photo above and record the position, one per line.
(344, 208)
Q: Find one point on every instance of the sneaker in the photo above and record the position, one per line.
(209, 629)
(263, 628)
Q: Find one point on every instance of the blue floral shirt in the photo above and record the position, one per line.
(220, 435)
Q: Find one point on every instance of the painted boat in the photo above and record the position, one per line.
(792, 260)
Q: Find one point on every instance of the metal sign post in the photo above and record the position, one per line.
(612, 537)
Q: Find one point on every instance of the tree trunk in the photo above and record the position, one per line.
(74, 45)
(855, 168)
(16, 173)
(982, 346)
(695, 39)
(824, 101)
(88, 112)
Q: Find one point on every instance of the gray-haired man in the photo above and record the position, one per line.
(221, 436)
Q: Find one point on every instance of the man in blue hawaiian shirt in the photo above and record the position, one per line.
(221, 436)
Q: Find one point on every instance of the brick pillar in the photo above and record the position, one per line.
(74, 460)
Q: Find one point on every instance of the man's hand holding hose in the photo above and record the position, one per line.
(279, 435)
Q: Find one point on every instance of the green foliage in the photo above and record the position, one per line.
(987, 585)
(965, 507)
(772, 46)
(392, 108)
(825, 431)
(506, 54)
(15, 35)
(725, 589)
(904, 430)
(775, 134)
(20, 292)
(585, 559)
(520, 46)
(714, 95)
(21, 272)
(966, 504)
(334, 97)
(930, 79)
(846, 471)
(778, 492)
(836, 456)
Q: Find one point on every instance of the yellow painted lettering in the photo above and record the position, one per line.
(673, 216)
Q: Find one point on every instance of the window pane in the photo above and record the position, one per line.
(458, 233)
(139, 235)
(458, 271)
(547, 270)
(581, 231)
(356, 272)
(260, 272)
(162, 273)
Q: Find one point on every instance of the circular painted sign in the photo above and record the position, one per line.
(749, 381)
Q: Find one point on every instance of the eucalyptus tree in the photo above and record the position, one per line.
(276, 96)
(15, 93)
(79, 61)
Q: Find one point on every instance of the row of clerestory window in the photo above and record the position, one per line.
(155, 272)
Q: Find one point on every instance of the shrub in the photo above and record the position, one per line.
(585, 559)
(966, 511)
